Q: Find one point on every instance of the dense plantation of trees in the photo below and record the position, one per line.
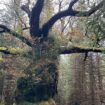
(37, 38)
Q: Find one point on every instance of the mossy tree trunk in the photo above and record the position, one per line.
(41, 75)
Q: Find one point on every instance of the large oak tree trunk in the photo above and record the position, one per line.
(41, 75)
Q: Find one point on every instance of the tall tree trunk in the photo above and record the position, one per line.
(99, 78)
(78, 96)
(1, 85)
(94, 89)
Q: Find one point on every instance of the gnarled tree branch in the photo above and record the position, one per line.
(13, 33)
(69, 12)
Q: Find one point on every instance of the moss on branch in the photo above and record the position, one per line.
(80, 49)
(11, 50)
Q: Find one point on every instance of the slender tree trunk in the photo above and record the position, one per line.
(79, 92)
(99, 78)
(1, 85)
(94, 89)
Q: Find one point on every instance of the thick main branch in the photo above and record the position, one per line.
(35, 18)
(69, 12)
(61, 50)
(79, 49)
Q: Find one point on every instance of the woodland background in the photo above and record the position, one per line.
(70, 55)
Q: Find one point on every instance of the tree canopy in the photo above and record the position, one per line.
(38, 31)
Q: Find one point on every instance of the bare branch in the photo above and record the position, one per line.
(26, 8)
(21, 20)
(66, 25)
(13, 33)
(72, 4)
(26, 28)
